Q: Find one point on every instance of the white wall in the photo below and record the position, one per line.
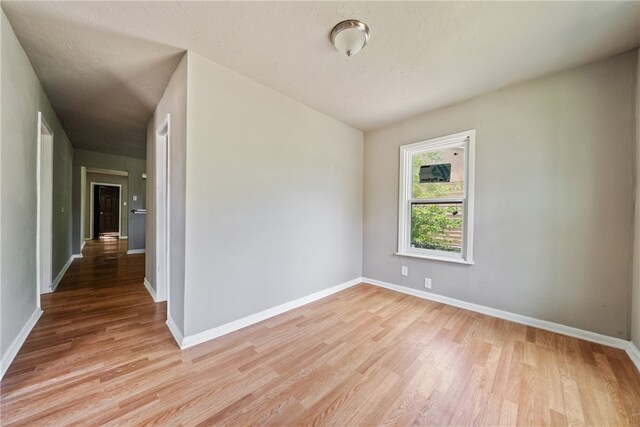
(273, 198)
(554, 198)
(22, 98)
(174, 102)
(635, 296)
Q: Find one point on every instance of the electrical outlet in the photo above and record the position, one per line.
(405, 270)
(427, 283)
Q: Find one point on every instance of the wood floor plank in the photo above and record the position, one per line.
(101, 354)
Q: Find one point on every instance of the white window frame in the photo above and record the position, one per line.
(466, 139)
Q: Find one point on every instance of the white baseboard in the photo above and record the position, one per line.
(191, 340)
(517, 318)
(136, 251)
(151, 290)
(84, 242)
(124, 237)
(216, 332)
(177, 335)
(13, 349)
(634, 354)
(60, 275)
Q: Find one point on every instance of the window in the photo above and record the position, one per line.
(436, 198)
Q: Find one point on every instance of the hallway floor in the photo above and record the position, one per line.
(101, 354)
(105, 246)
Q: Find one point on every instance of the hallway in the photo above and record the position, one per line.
(98, 326)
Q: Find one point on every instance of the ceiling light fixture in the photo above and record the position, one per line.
(350, 36)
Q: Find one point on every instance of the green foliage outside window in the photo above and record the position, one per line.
(436, 227)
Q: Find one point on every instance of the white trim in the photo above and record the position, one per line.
(60, 275)
(151, 290)
(216, 332)
(517, 318)
(162, 212)
(192, 340)
(634, 354)
(17, 343)
(91, 210)
(465, 139)
(435, 258)
(124, 237)
(136, 251)
(108, 171)
(44, 128)
(175, 331)
(83, 205)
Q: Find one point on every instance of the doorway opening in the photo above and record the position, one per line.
(44, 243)
(106, 200)
(91, 221)
(162, 196)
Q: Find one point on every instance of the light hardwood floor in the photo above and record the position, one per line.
(102, 355)
(104, 247)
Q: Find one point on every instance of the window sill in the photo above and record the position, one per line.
(437, 258)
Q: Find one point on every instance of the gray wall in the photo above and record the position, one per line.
(124, 207)
(273, 198)
(135, 168)
(22, 98)
(635, 296)
(174, 102)
(554, 198)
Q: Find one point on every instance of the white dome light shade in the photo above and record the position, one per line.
(349, 37)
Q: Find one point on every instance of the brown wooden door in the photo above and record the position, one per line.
(109, 202)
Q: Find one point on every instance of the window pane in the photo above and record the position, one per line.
(437, 226)
(438, 174)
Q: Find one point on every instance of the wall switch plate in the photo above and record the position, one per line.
(427, 283)
(405, 270)
(135, 198)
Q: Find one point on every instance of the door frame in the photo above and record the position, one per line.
(83, 204)
(44, 215)
(91, 210)
(162, 230)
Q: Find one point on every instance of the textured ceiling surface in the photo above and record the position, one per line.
(104, 65)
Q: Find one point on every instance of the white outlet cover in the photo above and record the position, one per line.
(405, 270)
(427, 283)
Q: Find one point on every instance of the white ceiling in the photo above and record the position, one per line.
(104, 65)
